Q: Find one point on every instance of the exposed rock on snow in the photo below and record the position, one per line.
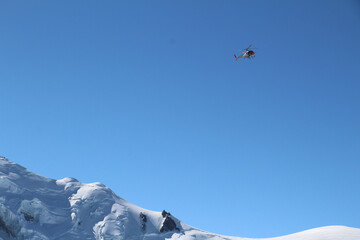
(165, 213)
(168, 224)
(9, 222)
(33, 207)
(143, 219)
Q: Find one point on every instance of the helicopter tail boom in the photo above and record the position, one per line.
(238, 57)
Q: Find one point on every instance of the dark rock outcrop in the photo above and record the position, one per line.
(7, 229)
(28, 217)
(143, 219)
(168, 224)
(165, 213)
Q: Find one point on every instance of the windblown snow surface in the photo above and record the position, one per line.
(34, 207)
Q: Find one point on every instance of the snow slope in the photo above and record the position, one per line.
(34, 207)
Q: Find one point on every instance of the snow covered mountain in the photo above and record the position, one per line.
(35, 207)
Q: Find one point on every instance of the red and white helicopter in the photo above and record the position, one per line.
(248, 53)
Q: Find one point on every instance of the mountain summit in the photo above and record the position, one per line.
(34, 207)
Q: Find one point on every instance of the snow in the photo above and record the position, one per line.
(37, 211)
(9, 187)
(34, 207)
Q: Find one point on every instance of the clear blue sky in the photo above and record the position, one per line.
(147, 98)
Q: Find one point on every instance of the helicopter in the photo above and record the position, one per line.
(248, 53)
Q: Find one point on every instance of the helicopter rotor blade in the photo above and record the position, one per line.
(247, 49)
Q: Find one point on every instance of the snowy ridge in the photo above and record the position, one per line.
(34, 207)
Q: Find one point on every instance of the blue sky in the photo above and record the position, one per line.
(147, 98)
